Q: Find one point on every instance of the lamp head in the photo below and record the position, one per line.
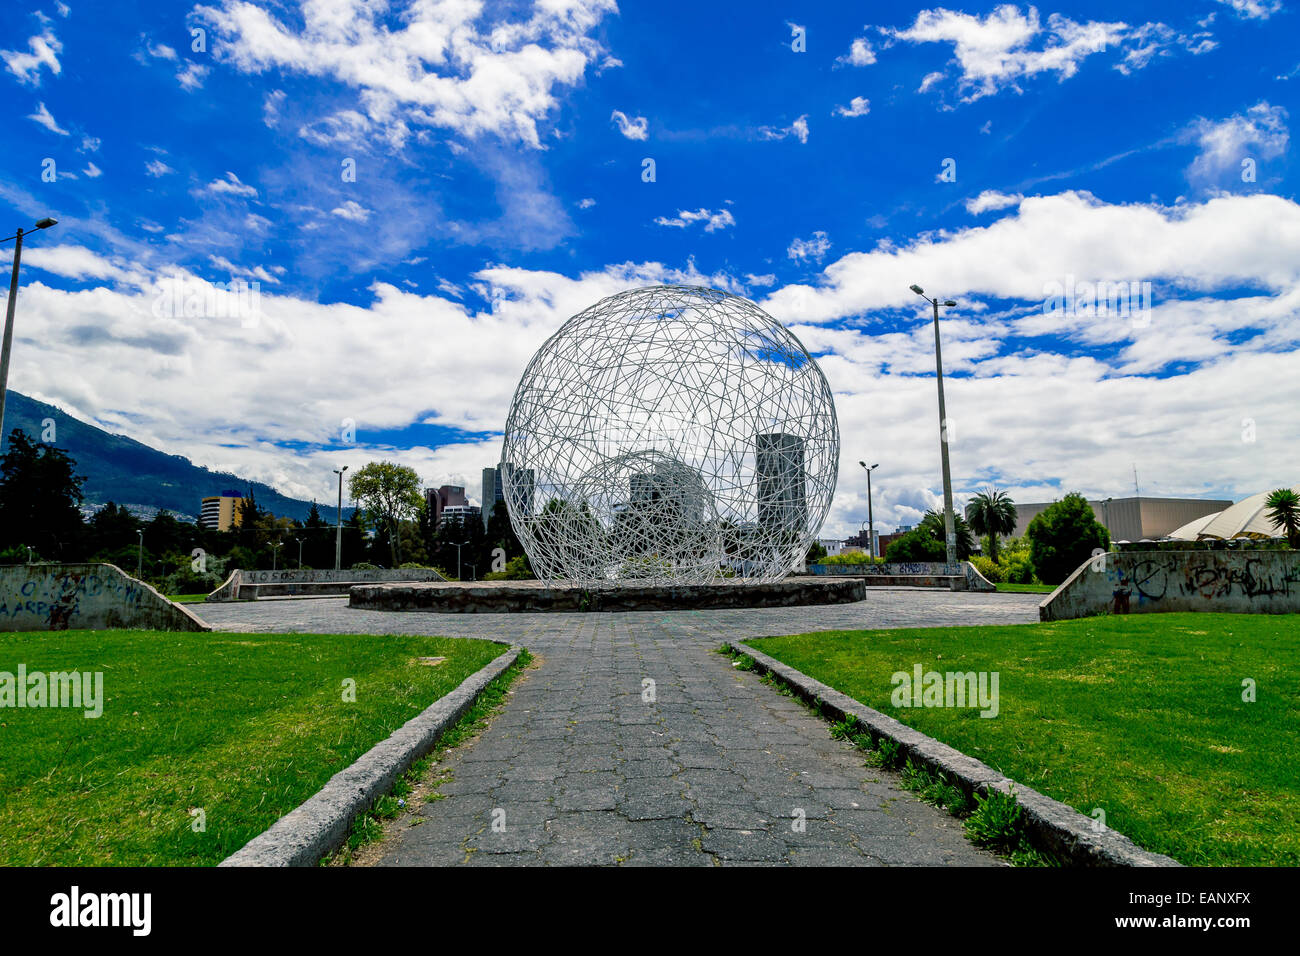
(917, 289)
(950, 303)
(46, 223)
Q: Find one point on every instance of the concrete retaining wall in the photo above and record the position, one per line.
(496, 597)
(1141, 582)
(250, 585)
(59, 597)
(962, 576)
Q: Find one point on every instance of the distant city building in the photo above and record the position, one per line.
(1133, 519)
(495, 481)
(448, 503)
(461, 514)
(221, 512)
(779, 467)
(833, 546)
(438, 499)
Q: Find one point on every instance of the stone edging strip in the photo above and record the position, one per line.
(1053, 826)
(320, 825)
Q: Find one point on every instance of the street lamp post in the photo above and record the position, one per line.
(139, 557)
(299, 540)
(949, 524)
(9, 317)
(275, 552)
(458, 547)
(871, 523)
(338, 528)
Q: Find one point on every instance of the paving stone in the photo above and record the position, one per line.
(589, 773)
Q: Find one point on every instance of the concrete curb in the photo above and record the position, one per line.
(320, 825)
(1053, 826)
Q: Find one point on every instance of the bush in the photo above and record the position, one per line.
(1018, 568)
(915, 546)
(1062, 536)
(364, 566)
(850, 557)
(993, 571)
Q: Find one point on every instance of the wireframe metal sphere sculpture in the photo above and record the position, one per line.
(670, 434)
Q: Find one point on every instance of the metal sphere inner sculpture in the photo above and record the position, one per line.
(669, 435)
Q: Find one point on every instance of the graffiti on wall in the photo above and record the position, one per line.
(55, 597)
(1156, 578)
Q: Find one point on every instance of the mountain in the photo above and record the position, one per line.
(123, 470)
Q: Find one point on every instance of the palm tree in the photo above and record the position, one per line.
(1284, 511)
(992, 512)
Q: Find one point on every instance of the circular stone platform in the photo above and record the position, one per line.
(499, 597)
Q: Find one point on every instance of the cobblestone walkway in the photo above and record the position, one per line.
(582, 768)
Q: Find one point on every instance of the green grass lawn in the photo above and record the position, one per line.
(1026, 588)
(188, 598)
(244, 726)
(1140, 716)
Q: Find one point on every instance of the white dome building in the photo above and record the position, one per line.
(1248, 518)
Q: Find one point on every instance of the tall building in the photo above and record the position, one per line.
(782, 479)
(221, 511)
(495, 483)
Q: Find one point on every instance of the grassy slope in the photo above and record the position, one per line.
(1140, 716)
(245, 726)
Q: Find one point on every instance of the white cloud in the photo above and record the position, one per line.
(230, 186)
(713, 220)
(815, 248)
(352, 211)
(1259, 133)
(445, 65)
(860, 53)
(634, 128)
(43, 117)
(89, 144)
(45, 50)
(798, 129)
(157, 168)
(858, 106)
(1254, 9)
(1236, 241)
(991, 199)
(998, 50)
(92, 171)
(256, 272)
(586, 203)
(191, 78)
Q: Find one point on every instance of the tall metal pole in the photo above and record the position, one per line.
(338, 527)
(871, 524)
(9, 332)
(949, 525)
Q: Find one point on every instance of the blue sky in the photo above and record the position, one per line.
(499, 154)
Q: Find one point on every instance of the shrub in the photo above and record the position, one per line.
(1062, 536)
(917, 546)
(989, 568)
(364, 566)
(1018, 568)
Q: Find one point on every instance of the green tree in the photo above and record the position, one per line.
(390, 494)
(110, 529)
(815, 553)
(1284, 513)
(933, 525)
(1062, 536)
(916, 545)
(40, 498)
(991, 512)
